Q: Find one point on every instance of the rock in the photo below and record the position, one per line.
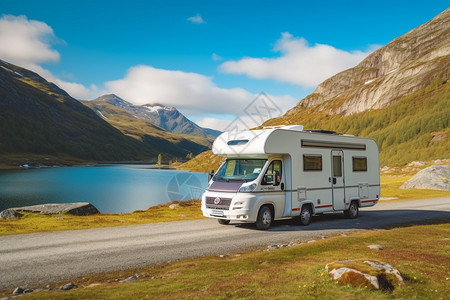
(365, 273)
(376, 247)
(10, 214)
(77, 209)
(174, 206)
(434, 177)
(131, 278)
(18, 291)
(68, 286)
(416, 164)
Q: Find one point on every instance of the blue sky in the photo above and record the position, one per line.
(207, 58)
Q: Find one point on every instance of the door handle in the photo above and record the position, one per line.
(334, 180)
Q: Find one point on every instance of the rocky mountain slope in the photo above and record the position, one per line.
(405, 65)
(399, 95)
(168, 118)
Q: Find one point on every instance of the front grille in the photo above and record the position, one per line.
(221, 203)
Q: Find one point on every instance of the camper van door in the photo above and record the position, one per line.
(337, 179)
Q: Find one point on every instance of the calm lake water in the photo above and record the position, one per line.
(110, 188)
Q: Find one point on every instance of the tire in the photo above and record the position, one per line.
(352, 211)
(305, 215)
(265, 218)
(223, 221)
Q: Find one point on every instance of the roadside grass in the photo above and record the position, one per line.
(390, 188)
(421, 253)
(33, 222)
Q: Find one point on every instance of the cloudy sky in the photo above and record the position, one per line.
(210, 59)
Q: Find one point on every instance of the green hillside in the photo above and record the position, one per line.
(416, 127)
(42, 124)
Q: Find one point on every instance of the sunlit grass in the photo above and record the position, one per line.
(420, 253)
(390, 188)
(33, 222)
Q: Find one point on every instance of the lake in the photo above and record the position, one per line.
(110, 188)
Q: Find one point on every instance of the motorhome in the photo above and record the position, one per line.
(288, 172)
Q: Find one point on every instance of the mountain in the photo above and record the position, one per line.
(170, 144)
(40, 124)
(39, 120)
(168, 118)
(399, 95)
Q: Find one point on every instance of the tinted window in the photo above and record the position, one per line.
(359, 164)
(312, 162)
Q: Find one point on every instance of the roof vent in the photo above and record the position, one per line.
(320, 131)
(286, 127)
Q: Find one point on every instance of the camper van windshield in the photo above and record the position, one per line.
(240, 170)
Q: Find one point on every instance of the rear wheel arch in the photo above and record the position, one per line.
(353, 209)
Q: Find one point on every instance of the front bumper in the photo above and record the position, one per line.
(231, 206)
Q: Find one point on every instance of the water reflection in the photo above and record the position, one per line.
(110, 188)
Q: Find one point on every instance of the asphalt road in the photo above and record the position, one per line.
(35, 260)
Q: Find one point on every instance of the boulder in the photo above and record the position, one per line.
(365, 273)
(376, 247)
(68, 286)
(77, 209)
(10, 214)
(434, 178)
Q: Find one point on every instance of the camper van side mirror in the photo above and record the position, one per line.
(210, 175)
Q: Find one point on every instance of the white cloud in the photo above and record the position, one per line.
(214, 123)
(299, 63)
(194, 94)
(197, 19)
(216, 57)
(27, 43)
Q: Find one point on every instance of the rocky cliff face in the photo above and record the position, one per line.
(407, 64)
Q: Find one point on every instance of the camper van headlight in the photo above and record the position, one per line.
(247, 188)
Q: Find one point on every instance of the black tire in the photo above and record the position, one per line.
(305, 215)
(223, 221)
(265, 218)
(352, 211)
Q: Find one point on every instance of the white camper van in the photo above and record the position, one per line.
(285, 172)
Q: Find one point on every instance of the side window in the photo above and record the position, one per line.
(359, 164)
(312, 162)
(273, 173)
(337, 166)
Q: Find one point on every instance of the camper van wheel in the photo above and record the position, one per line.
(223, 221)
(352, 211)
(264, 220)
(305, 215)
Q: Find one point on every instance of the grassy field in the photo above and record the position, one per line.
(420, 253)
